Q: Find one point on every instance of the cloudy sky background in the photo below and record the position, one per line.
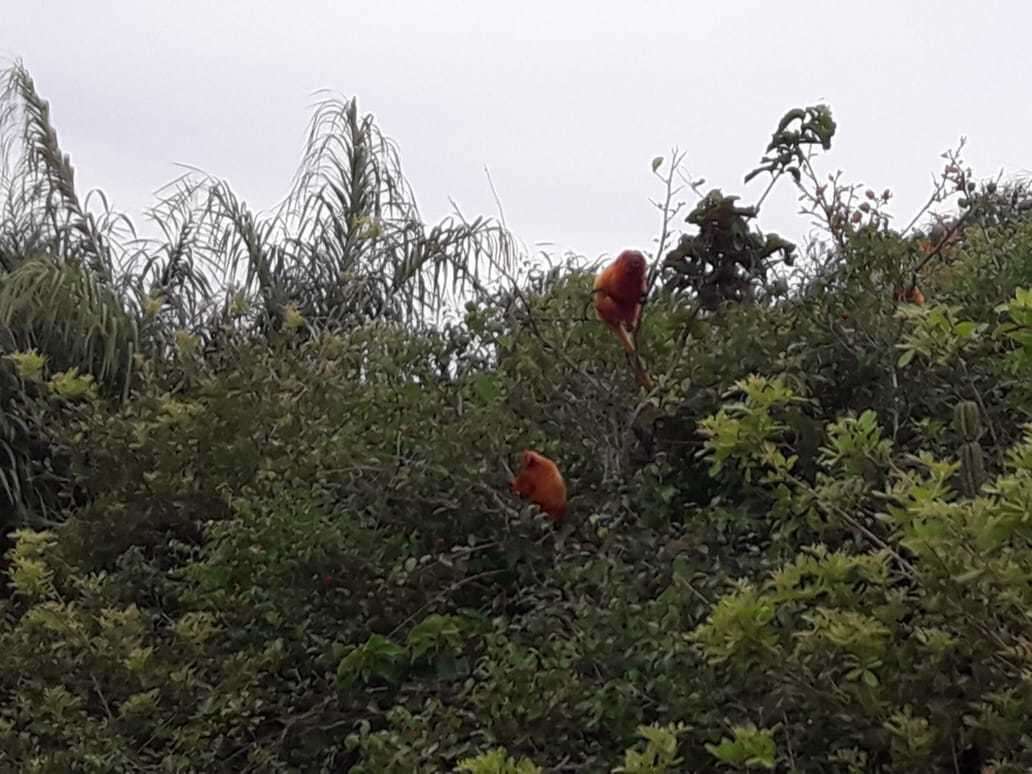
(565, 101)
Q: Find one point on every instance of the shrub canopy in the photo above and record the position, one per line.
(255, 502)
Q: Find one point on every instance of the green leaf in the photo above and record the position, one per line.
(486, 388)
(969, 576)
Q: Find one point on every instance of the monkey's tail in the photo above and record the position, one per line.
(633, 357)
(625, 340)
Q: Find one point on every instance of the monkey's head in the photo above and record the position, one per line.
(528, 461)
(633, 261)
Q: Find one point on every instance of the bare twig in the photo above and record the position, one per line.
(956, 226)
(676, 158)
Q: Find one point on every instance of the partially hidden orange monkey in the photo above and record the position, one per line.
(619, 289)
(911, 295)
(540, 481)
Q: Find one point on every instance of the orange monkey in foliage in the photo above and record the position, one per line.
(619, 289)
(912, 295)
(540, 481)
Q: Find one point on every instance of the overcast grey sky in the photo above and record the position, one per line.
(565, 101)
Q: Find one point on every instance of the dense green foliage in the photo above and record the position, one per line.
(278, 536)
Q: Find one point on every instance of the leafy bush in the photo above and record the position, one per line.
(278, 536)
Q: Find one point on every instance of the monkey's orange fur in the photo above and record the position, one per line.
(619, 289)
(540, 481)
(911, 295)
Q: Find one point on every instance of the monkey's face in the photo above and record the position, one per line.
(628, 278)
(633, 260)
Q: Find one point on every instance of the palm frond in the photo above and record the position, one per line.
(50, 165)
(357, 230)
(68, 313)
(346, 245)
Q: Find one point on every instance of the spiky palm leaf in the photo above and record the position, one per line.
(346, 245)
(65, 311)
(42, 180)
(61, 255)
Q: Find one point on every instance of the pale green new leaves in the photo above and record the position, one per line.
(937, 334)
(497, 762)
(743, 430)
(751, 747)
(660, 753)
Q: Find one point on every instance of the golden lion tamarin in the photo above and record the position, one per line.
(912, 295)
(619, 289)
(540, 481)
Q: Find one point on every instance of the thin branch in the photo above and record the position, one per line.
(446, 593)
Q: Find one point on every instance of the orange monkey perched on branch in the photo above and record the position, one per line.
(540, 481)
(619, 291)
